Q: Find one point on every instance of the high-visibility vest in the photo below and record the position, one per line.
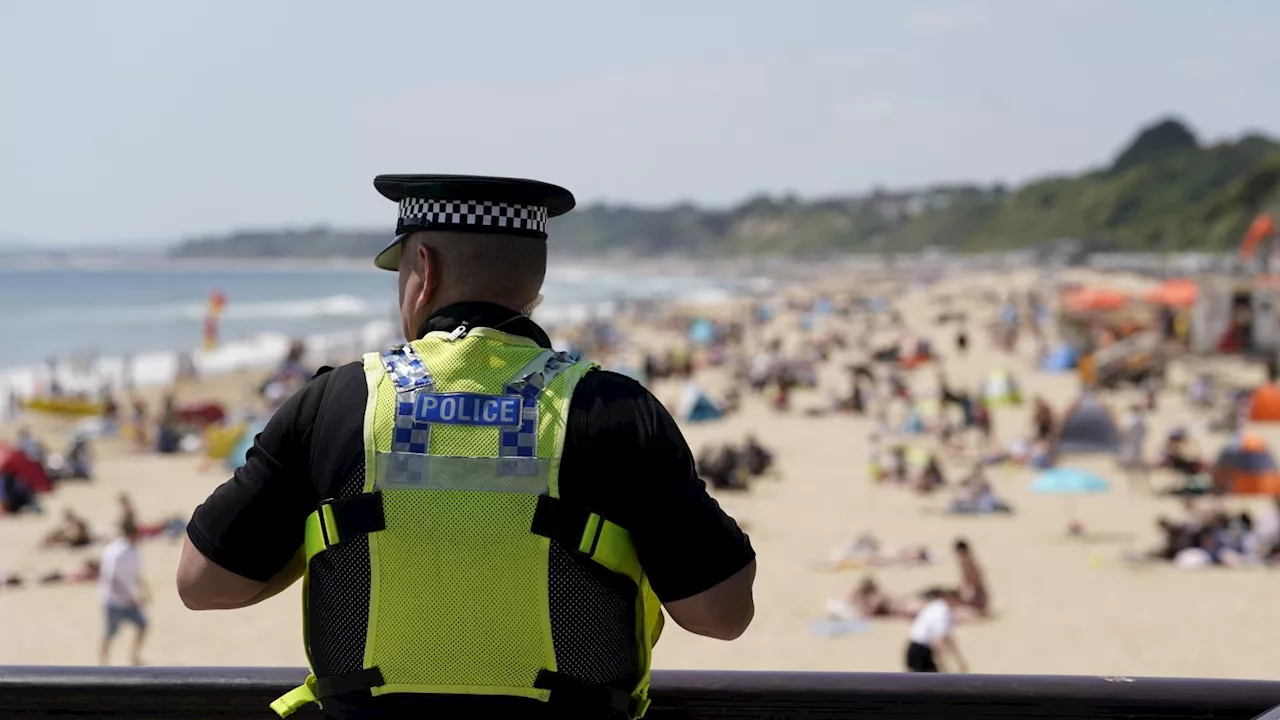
(457, 568)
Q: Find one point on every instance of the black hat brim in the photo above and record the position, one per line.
(389, 258)
(468, 188)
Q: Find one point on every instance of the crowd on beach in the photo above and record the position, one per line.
(856, 356)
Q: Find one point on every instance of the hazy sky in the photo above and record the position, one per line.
(139, 120)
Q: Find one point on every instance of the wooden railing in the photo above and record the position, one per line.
(202, 693)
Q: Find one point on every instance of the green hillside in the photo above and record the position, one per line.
(1165, 190)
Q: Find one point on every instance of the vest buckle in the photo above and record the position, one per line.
(328, 524)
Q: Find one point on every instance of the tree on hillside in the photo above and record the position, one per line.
(1156, 141)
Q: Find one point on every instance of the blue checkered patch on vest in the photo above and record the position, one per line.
(410, 376)
(522, 442)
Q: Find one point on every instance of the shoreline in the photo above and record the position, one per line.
(89, 371)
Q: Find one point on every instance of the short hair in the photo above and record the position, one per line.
(483, 266)
(962, 545)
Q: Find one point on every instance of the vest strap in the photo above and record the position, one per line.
(290, 702)
(579, 692)
(365, 679)
(567, 523)
(587, 534)
(337, 520)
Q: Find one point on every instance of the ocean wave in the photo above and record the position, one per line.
(333, 306)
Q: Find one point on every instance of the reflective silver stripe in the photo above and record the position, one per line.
(411, 471)
(410, 376)
(522, 442)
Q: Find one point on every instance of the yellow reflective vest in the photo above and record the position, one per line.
(456, 567)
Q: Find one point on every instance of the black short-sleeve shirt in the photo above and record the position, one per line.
(624, 458)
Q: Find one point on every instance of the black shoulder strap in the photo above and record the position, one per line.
(323, 436)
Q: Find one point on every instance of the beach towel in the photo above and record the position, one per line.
(830, 628)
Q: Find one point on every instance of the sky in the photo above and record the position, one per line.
(136, 121)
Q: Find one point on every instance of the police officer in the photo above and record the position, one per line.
(484, 526)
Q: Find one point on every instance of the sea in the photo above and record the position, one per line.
(94, 325)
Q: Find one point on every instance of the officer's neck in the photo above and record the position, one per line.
(469, 311)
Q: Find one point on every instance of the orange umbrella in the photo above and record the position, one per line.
(1178, 293)
(1098, 298)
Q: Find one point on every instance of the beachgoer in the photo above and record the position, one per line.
(73, 532)
(973, 584)
(30, 446)
(930, 636)
(756, 459)
(138, 426)
(127, 514)
(123, 591)
(1041, 419)
(536, 605)
(870, 601)
(15, 496)
(1133, 438)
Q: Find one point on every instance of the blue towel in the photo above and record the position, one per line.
(838, 628)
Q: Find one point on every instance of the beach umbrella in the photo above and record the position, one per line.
(1094, 299)
(1177, 293)
(1069, 482)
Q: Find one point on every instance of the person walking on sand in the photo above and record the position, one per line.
(123, 591)
(930, 635)
(1133, 437)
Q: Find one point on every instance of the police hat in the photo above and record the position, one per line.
(469, 203)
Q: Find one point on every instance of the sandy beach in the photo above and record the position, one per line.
(1060, 604)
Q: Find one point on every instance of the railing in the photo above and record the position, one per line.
(201, 693)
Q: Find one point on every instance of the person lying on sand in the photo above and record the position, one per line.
(976, 496)
(88, 572)
(868, 601)
(866, 551)
(73, 532)
(756, 458)
(1179, 456)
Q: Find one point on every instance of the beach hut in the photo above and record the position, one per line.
(27, 472)
(1088, 427)
(1264, 404)
(1245, 467)
(1061, 359)
(695, 406)
(1000, 389)
(1230, 315)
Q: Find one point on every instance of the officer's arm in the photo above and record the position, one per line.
(243, 544)
(204, 585)
(723, 612)
(697, 559)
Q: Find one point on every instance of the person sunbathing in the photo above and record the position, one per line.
(72, 533)
(975, 495)
(868, 601)
(866, 551)
(88, 572)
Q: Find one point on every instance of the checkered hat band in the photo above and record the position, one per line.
(425, 213)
